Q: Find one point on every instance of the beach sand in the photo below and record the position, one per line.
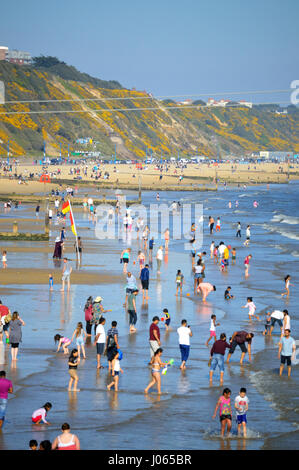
(127, 177)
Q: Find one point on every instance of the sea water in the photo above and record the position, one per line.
(181, 418)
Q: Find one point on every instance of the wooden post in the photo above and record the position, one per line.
(15, 227)
(139, 189)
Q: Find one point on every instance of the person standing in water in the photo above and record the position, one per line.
(238, 234)
(66, 274)
(287, 347)
(248, 234)
(225, 411)
(287, 285)
(156, 364)
(184, 333)
(246, 264)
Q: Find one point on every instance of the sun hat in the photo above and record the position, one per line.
(98, 299)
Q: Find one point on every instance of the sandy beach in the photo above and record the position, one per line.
(195, 177)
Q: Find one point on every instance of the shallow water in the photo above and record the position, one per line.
(182, 417)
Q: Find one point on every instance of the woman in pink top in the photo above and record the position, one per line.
(66, 440)
(205, 288)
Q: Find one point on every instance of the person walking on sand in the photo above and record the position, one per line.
(287, 348)
(100, 341)
(66, 274)
(154, 333)
(4, 259)
(66, 440)
(184, 333)
(205, 288)
(73, 364)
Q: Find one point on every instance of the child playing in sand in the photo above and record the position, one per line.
(116, 369)
(62, 341)
(227, 294)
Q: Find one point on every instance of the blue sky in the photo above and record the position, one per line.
(167, 47)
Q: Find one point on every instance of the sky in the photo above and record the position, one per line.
(166, 47)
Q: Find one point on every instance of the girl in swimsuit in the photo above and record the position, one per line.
(287, 284)
(156, 364)
(62, 341)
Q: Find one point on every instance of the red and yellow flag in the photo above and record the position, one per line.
(66, 207)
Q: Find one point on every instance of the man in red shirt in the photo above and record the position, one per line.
(3, 312)
(154, 338)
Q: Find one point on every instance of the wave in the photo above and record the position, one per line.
(285, 219)
(284, 233)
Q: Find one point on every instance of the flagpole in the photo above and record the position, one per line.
(77, 246)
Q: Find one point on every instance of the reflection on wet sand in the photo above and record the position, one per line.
(113, 400)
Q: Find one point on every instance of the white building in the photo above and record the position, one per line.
(222, 102)
(245, 103)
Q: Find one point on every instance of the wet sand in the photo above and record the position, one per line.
(25, 276)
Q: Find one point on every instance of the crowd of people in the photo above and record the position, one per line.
(107, 343)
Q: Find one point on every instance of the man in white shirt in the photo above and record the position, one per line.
(221, 249)
(100, 341)
(184, 333)
(276, 316)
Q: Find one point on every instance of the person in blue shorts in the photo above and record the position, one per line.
(241, 406)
